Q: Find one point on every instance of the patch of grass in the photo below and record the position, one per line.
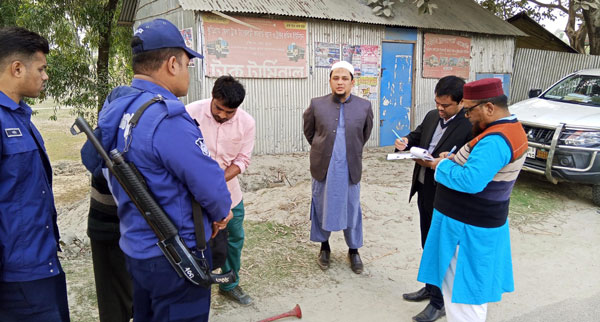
(532, 201)
(274, 257)
(282, 248)
(60, 144)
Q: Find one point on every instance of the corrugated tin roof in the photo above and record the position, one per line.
(456, 15)
(537, 37)
(127, 13)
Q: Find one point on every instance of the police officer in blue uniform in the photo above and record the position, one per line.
(169, 151)
(32, 282)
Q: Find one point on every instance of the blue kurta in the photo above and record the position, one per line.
(484, 263)
(335, 200)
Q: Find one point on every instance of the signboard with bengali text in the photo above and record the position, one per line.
(445, 55)
(256, 48)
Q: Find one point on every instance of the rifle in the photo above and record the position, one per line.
(194, 269)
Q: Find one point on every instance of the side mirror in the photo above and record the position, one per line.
(534, 92)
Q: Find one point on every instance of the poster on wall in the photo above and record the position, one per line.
(445, 55)
(365, 87)
(254, 48)
(326, 54)
(364, 58)
(188, 38)
(352, 55)
(369, 60)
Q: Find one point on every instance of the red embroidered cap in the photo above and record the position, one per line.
(482, 89)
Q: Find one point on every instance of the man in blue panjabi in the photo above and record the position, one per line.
(337, 126)
(467, 252)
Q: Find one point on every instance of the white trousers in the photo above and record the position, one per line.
(456, 312)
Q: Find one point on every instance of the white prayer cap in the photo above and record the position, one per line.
(345, 65)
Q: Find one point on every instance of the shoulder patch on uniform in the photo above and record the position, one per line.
(200, 143)
(12, 132)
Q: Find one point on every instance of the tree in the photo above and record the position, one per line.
(583, 17)
(583, 23)
(88, 53)
(385, 7)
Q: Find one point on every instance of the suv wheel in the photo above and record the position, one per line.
(596, 194)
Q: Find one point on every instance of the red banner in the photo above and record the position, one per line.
(254, 47)
(445, 55)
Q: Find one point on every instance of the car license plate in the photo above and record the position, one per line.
(530, 152)
(541, 154)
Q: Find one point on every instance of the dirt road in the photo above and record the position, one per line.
(556, 254)
(555, 234)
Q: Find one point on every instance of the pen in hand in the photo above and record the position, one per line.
(451, 151)
(404, 142)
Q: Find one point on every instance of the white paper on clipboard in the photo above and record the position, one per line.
(415, 153)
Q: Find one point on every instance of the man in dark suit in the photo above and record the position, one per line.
(337, 126)
(443, 129)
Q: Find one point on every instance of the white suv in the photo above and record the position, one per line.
(563, 130)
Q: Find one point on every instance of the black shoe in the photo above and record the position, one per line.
(238, 295)
(429, 314)
(420, 295)
(355, 263)
(323, 259)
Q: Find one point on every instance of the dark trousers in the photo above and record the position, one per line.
(425, 204)
(160, 295)
(113, 282)
(34, 301)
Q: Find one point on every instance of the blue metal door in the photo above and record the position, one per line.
(396, 91)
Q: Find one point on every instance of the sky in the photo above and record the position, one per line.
(557, 26)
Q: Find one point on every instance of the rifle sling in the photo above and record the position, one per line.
(198, 225)
(196, 208)
(136, 117)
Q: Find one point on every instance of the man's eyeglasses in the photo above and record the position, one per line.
(469, 109)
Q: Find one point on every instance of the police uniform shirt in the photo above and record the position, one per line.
(28, 230)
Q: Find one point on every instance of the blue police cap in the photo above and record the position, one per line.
(160, 33)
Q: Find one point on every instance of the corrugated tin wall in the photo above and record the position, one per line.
(171, 10)
(278, 104)
(489, 54)
(153, 9)
(541, 68)
(453, 18)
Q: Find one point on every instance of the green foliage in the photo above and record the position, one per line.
(580, 13)
(382, 7)
(10, 10)
(385, 7)
(425, 6)
(508, 8)
(73, 28)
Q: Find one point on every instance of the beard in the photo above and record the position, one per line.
(218, 119)
(339, 97)
(476, 129)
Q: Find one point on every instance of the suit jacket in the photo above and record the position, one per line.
(320, 124)
(458, 133)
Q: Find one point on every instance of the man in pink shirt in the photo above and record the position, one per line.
(229, 134)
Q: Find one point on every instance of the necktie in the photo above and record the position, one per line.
(442, 124)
